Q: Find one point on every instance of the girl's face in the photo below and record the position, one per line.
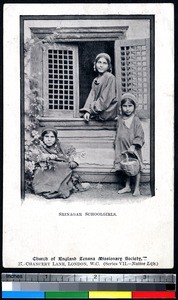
(128, 108)
(102, 65)
(49, 139)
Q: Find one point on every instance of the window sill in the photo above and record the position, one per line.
(76, 123)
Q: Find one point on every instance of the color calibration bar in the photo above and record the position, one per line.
(88, 286)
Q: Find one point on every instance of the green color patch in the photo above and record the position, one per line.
(67, 295)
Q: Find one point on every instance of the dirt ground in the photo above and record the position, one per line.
(103, 191)
(110, 190)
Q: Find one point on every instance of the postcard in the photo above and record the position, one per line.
(88, 136)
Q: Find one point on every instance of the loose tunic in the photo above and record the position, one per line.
(101, 102)
(125, 137)
(54, 182)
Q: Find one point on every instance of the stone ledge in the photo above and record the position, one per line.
(98, 173)
(93, 136)
(76, 124)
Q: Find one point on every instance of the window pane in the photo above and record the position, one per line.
(134, 73)
(60, 67)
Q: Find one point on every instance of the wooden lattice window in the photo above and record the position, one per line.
(133, 71)
(60, 84)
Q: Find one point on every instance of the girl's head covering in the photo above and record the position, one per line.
(129, 96)
(45, 130)
(108, 59)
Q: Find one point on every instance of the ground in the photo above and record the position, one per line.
(102, 191)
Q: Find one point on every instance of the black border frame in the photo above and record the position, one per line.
(151, 18)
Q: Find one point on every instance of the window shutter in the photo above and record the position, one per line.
(60, 80)
(132, 59)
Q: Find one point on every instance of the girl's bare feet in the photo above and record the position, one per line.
(125, 190)
(136, 193)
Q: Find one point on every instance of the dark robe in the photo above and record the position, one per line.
(125, 137)
(101, 102)
(54, 182)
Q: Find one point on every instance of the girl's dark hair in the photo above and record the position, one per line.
(123, 101)
(47, 131)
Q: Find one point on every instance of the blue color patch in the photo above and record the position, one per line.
(26, 295)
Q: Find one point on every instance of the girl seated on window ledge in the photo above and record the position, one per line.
(101, 103)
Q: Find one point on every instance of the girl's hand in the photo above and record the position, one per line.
(131, 149)
(73, 164)
(86, 116)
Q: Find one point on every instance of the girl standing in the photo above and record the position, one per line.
(53, 177)
(101, 103)
(129, 137)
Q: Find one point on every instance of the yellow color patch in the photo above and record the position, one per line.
(110, 295)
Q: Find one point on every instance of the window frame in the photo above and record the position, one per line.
(45, 91)
(69, 37)
(142, 113)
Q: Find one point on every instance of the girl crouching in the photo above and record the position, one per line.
(54, 176)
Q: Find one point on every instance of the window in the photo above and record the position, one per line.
(133, 72)
(61, 78)
(60, 84)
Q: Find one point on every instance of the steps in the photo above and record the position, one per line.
(94, 140)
